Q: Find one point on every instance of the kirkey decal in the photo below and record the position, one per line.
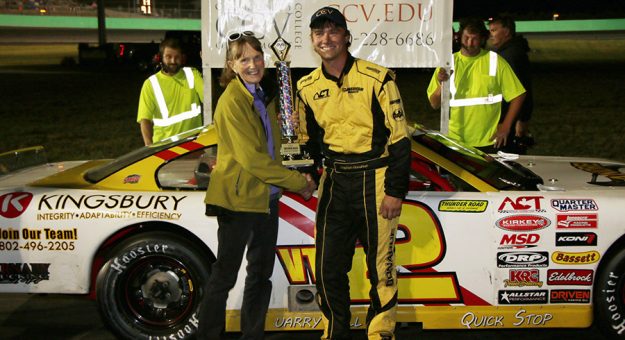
(570, 277)
(574, 204)
(523, 223)
(577, 221)
(569, 296)
(576, 239)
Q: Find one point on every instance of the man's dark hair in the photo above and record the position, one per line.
(172, 43)
(473, 25)
(505, 21)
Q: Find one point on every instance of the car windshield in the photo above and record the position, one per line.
(101, 172)
(500, 174)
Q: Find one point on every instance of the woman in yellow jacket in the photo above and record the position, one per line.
(244, 190)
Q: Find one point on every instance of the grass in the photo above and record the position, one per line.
(84, 114)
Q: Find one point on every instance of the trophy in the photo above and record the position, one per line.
(291, 151)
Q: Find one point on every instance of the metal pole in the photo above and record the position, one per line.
(445, 105)
(205, 10)
(101, 23)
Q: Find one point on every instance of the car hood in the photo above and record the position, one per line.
(576, 173)
(32, 174)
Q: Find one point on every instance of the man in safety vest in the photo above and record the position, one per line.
(170, 101)
(480, 80)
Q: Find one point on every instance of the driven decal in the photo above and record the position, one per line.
(569, 296)
(14, 204)
(420, 245)
(28, 273)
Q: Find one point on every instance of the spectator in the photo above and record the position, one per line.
(479, 81)
(514, 48)
(170, 100)
(244, 190)
(351, 112)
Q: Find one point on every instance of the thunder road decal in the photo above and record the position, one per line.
(14, 204)
(470, 206)
(587, 257)
(522, 204)
(27, 273)
(523, 223)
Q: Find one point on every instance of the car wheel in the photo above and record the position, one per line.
(151, 287)
(609, 296)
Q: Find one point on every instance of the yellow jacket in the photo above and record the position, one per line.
(240, 180)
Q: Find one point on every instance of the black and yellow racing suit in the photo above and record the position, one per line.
(357, 124)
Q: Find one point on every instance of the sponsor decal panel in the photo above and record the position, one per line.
(522, 318)
(527, 259)
(522, 204)
(522, 297)
(570, 277)
(523, 278)
(132, 179)
(576, 239)
(569, 296)
(577, 221)
(35, 239)
(27, 273)
(473, 206)
(574, 204)
(586, 257)
(523, 223)
(12, 205)
(519, 240)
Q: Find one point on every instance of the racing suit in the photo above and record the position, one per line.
(357, 124)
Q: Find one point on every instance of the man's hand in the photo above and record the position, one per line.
(307, 192)
(391, 207)
(501, 136)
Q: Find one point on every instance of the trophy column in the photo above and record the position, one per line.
(291, 151)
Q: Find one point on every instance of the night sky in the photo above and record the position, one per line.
(540, 9)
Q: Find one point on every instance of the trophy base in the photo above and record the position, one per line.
(298, 163)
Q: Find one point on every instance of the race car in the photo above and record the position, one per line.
(484, 241)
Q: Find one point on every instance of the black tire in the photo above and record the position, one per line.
(151, 287)
(609, 296)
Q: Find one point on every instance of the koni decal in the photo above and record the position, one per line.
(576, 239)
(417, 224)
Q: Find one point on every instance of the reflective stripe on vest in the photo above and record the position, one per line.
(490, 99)
(160, 100)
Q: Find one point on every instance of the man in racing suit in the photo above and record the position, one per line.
(351, 114)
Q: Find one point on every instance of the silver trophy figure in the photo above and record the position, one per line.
(291, 150)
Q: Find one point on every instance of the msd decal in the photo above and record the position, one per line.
(516, 241)
(577, 221)
(521, 204)
(523, 223)
(569, 277)
(14, 204)
(574, 204)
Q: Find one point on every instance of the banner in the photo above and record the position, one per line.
(404, 33)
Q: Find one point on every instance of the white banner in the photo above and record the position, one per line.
(404, 33)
